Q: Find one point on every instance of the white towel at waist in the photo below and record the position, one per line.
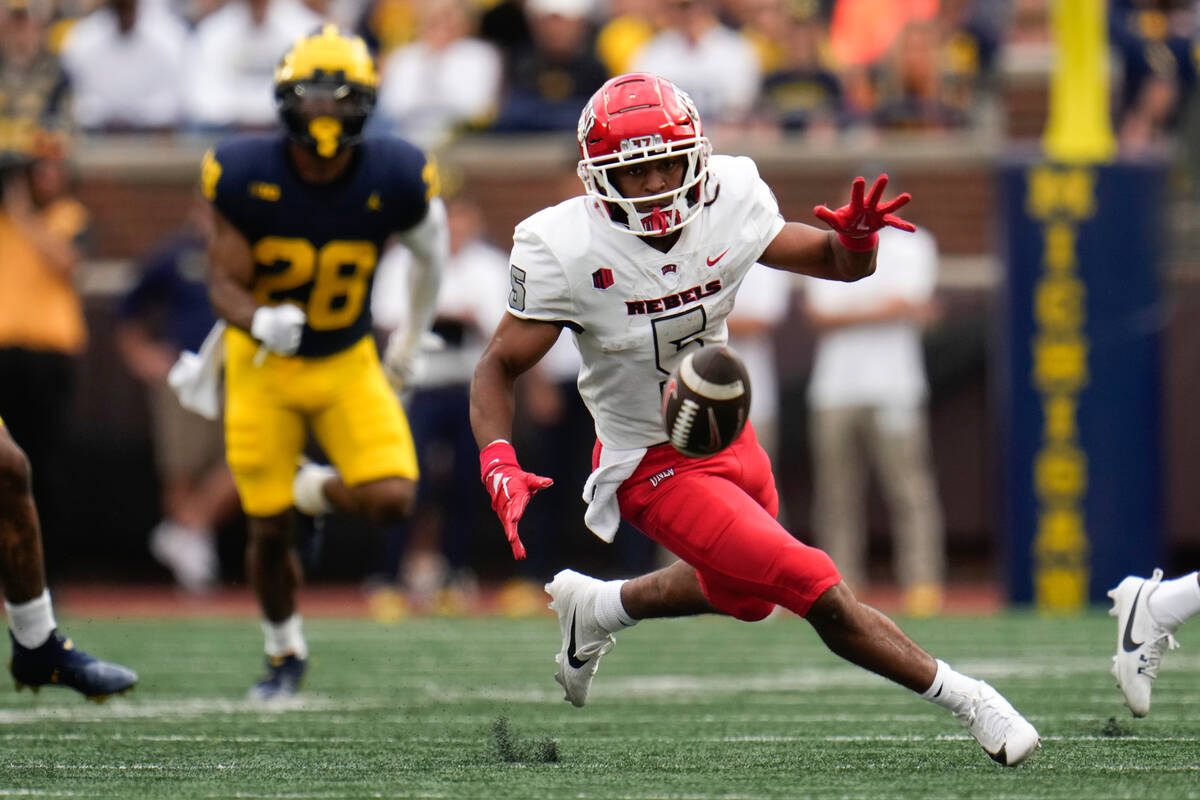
(603, 515)
(196, 377)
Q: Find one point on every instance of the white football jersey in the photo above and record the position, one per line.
(636, 311)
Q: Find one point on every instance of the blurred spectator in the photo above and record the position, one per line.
(803, 95)
(193, 11)
(554, 76)
(763, 301)
(168, 311)
(42, 327)
(715, 65)
(867, 400)
(862, 32)
(506, 26)
(763, 23)
(630, 25)
(387, 24)
(445, 81)
(125, 64)
(229, 71)
(343, 13)
(970, 40)
(470, 303)
(1154, 43)
(32, 81)
(911, 95)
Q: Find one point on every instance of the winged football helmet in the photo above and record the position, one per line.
(325, 89)
(635, 118)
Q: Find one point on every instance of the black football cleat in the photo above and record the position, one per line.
(58, 663)
(283, 678)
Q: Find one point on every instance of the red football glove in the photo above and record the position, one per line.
(857, 221)
(510, 488)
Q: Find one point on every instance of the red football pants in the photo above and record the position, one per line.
(718, 515)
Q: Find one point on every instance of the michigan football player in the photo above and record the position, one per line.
(302, 218)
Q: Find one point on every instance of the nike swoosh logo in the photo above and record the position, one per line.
(571, 659)
(1127, 641)
(712, 261)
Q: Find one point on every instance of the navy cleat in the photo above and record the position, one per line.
(58, 663)
(284, 674)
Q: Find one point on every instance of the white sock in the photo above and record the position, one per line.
(1174, 601)
(308, 488)
(285, 637)
(31, 622)
(610, 611)
(950, 688)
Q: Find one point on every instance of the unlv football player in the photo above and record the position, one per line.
(643, 269)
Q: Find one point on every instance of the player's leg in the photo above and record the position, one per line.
(590, 611)
(366, 435)
(264, 437)
(1148, 612)
(273, 568)
(746, 562)
(197, 490)
(852, 630)
(40, 654)
(900, 446)
(839, 489)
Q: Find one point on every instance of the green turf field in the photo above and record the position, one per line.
(695, 709)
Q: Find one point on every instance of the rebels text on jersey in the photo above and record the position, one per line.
(317, 245)
(635, 311)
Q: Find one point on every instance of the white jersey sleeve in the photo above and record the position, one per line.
(539, 287)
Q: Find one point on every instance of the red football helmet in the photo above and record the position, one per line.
(641, 117)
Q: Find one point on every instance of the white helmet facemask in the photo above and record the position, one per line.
(671, 210)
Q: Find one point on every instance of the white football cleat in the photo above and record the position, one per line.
(190, 554)
(1141, 641)
(308, 488)
(1003, 733)
(573, 597)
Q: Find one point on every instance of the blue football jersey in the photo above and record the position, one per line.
(317, 245)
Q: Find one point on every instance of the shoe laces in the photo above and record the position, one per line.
(1155, 649)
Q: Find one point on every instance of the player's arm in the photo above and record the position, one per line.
(231, 271)
(806, 250)
(847, 253)
(516, 346)
(429, 243)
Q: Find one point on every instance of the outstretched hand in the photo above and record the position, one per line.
(856, 222)
(510, 488)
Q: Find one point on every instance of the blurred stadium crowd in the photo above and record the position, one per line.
(760, 71)
(824, 67)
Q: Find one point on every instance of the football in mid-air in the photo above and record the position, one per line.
(706, 401)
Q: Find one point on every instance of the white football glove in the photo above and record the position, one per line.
(403, 360)
(279, 328)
